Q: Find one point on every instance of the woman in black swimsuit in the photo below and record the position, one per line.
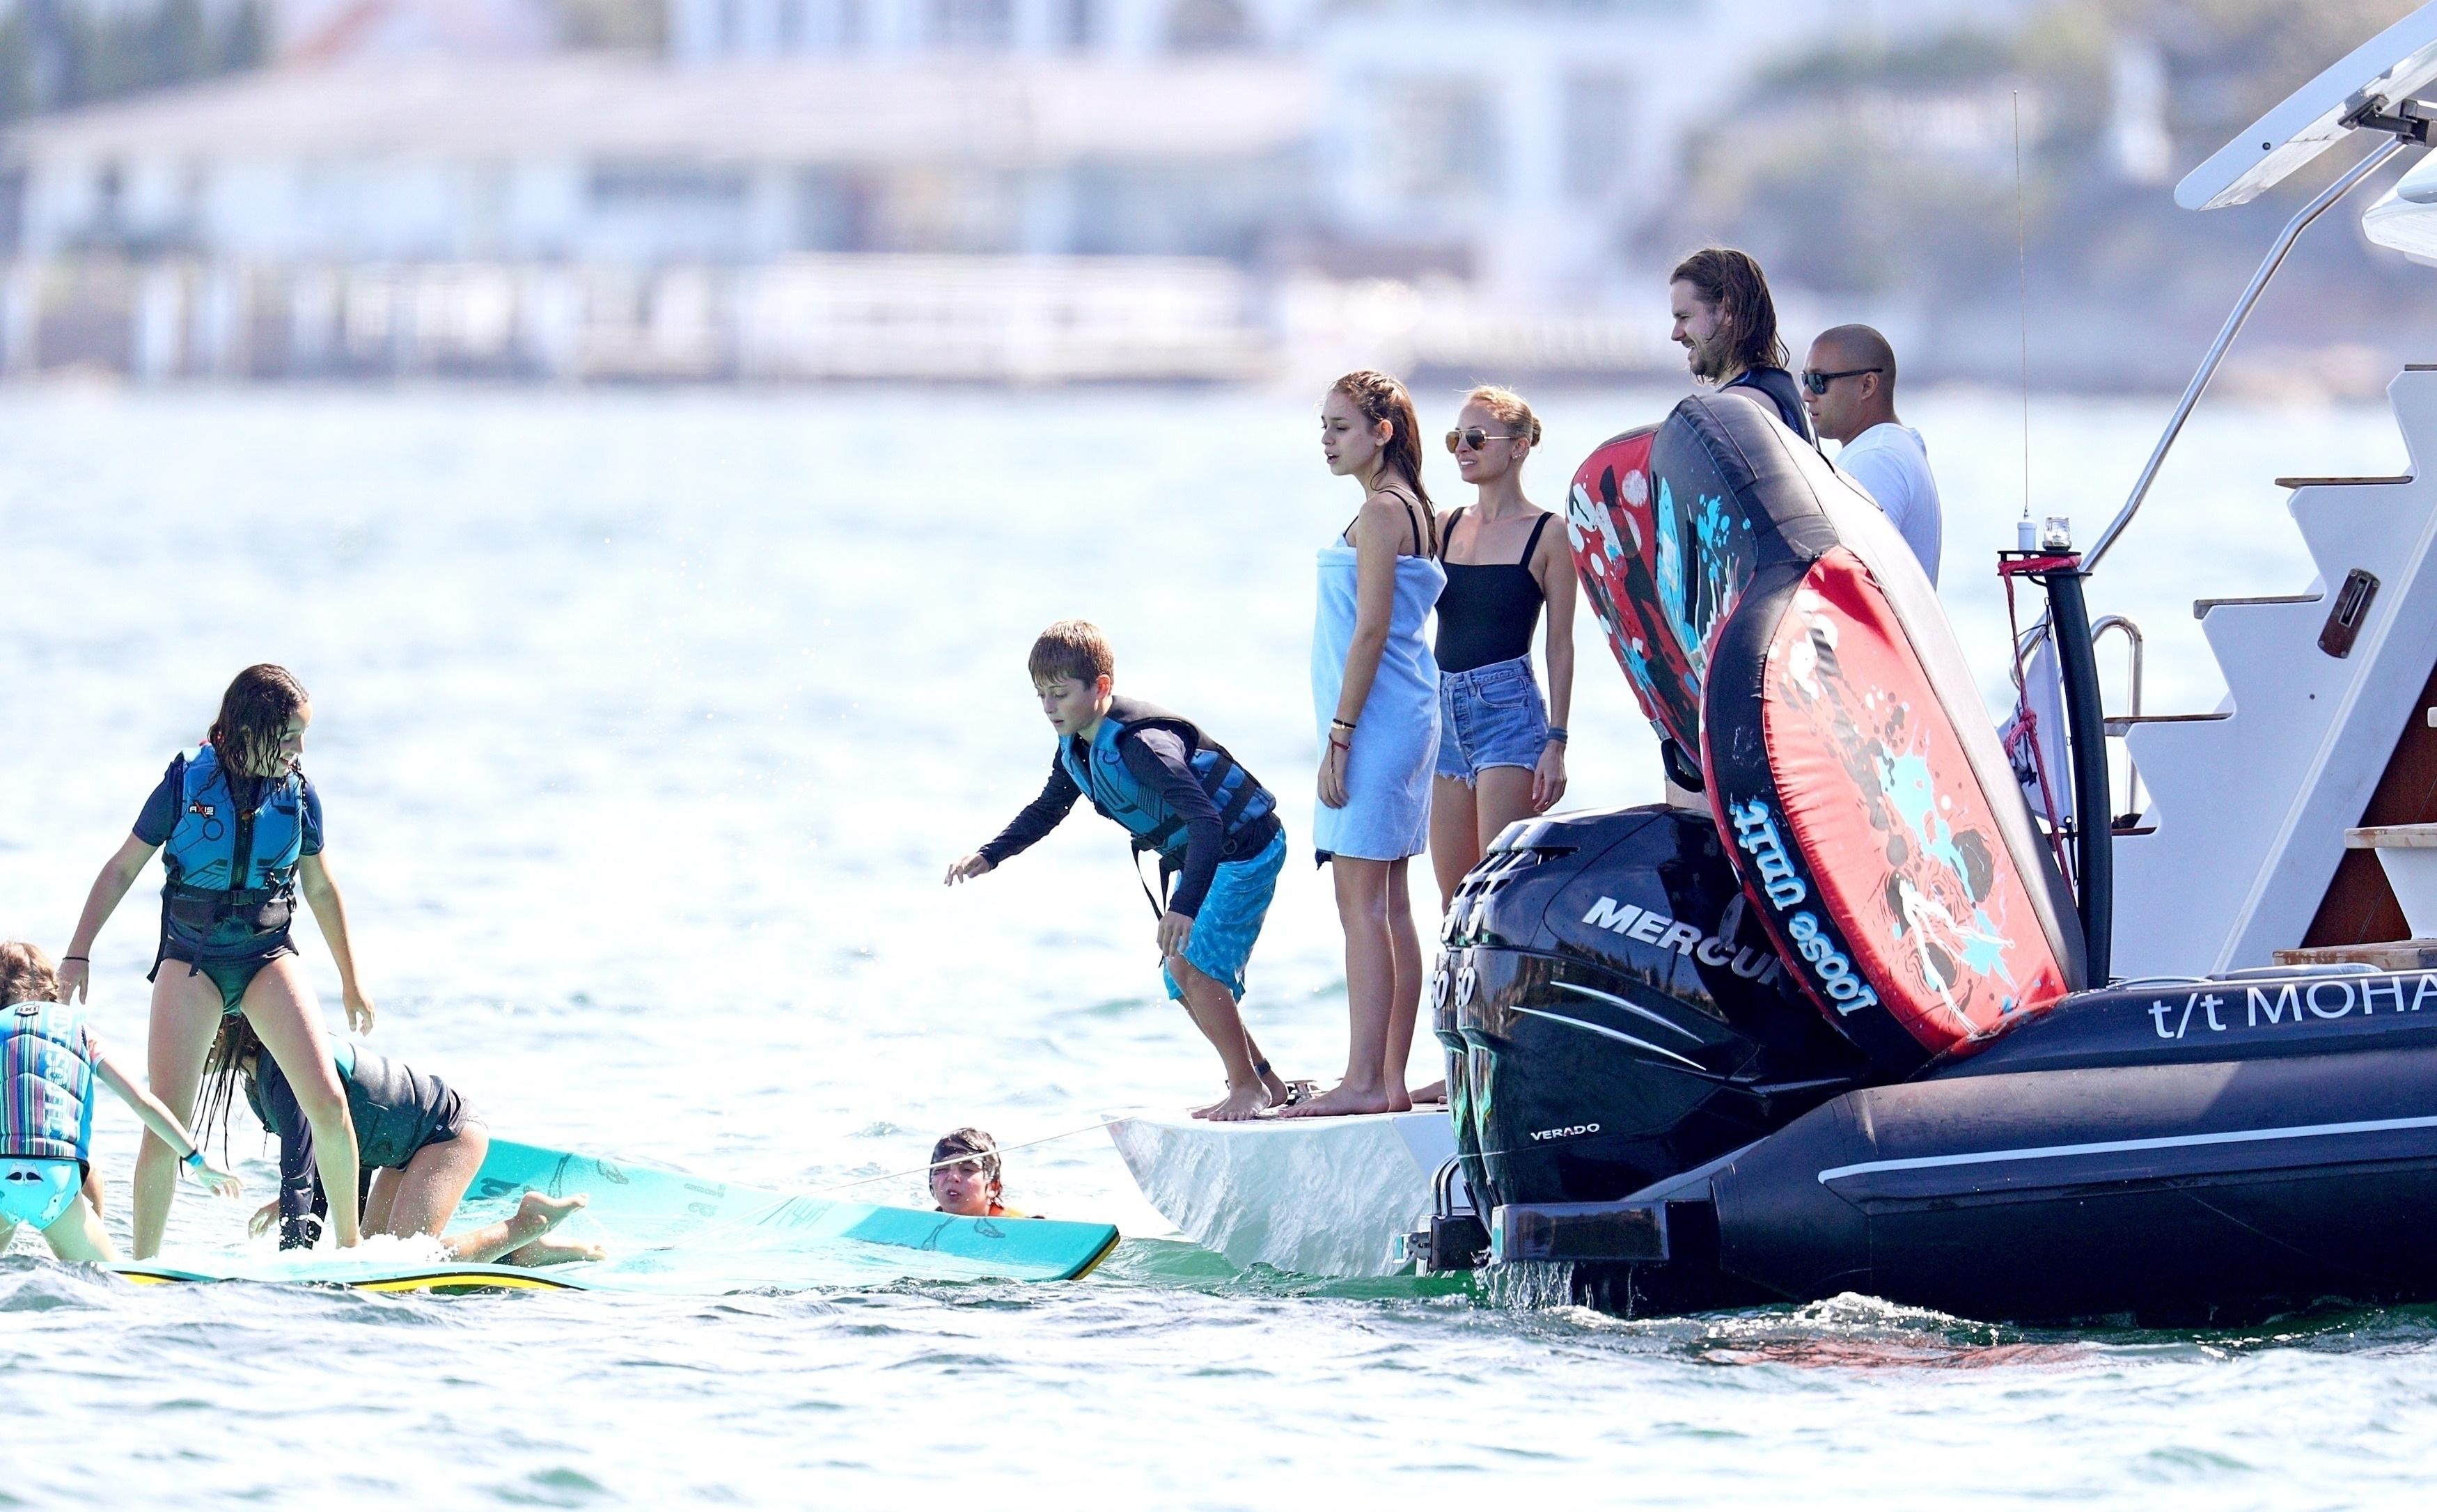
(1501, 753)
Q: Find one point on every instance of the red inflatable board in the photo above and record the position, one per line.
(1874, 787)
(1664, 551)
(1775, 624)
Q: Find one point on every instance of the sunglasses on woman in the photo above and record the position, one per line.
(1818, 382)
(1475, 438)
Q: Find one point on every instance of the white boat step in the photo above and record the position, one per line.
(2408, 852)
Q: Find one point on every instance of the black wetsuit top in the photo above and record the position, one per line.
(1487, 611)
(1778, 385)
(1158, 760)
(396, 1111)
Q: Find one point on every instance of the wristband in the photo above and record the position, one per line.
(1557, 733)
(194, 1161)
(1340, 724)
(87, 960)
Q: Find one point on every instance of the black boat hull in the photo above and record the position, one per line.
(2217, 1149)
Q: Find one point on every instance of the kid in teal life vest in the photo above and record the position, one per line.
(49, 1060)
(239, 829)
(1179, 794)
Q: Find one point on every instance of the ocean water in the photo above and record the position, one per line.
(646, 724)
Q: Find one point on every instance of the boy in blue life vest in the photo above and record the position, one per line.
(1177, 792)
(48, 1062)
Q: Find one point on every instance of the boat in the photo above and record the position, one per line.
(1860, 1019)
(1334, 1197)
(671, 1233)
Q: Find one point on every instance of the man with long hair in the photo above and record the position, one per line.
(1726, 324)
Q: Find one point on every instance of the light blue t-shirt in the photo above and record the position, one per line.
(1890, 462)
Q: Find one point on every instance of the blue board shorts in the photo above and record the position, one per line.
(1230, 920)
(38, 1191)
(1490, 717)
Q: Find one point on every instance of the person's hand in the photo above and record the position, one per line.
(359, 1011)
(967, 868)
(75, 974)
(1332, 772)
(1549, 777)
(220, 1184)
(263, 1218)
(1175, 933)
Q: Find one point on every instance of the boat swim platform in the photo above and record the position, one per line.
(1314, 1196)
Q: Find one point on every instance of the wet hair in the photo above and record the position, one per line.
(968, 1145)
(1732, 281)
(1380, 398)
(1864, 348)
(237, 1049)
(1509, 408)
(254, 715)
(1073, 649)
(27, 974)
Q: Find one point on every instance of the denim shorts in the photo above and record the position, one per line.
(1490, 717)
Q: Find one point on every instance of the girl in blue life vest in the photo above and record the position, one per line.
(49, 1060)
(239, 829)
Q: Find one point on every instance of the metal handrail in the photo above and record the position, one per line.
(2132, 639)
(2327, 196)
(2133, 681)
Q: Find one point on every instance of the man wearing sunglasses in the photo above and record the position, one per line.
(1848, 385)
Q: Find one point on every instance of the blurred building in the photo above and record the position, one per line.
(327, 30)
(972, 188)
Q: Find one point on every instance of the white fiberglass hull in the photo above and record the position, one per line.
(1315, 1196)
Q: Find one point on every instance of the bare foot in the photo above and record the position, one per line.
(537, 1214)
(1241, 1102)
(1340, 1101)
(1435, 1092)
(553, 1252)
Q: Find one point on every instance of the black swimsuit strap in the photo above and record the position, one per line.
(1413, 522)
(1533, 543)
(1446, 529)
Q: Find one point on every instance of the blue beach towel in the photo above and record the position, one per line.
(1387, 812)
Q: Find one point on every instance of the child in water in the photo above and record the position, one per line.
(966, 1176)
(1179, 793)
(421, 1142)
(49, 1060)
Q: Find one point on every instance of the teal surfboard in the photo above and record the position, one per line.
(670, 1232)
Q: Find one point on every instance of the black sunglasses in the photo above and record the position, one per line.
(1818, 382)
(1475, 438)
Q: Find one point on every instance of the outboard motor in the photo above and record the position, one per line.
(1613, 1013)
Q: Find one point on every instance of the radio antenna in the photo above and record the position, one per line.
(2023, 306)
